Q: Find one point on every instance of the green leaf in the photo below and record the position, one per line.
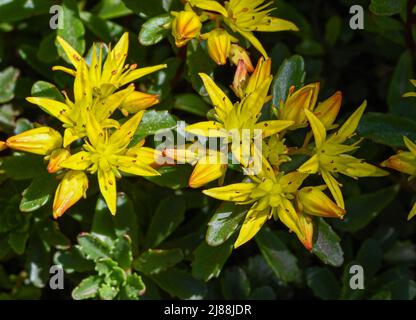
(154, 261)
(283, 263)
(370, 257)
(197, 60)
(16, 10)
(168, 216)
(290, 73)
(23, 166)
(8, 78)
(175, 177)
(38, 193)
(17, 240)
(323, 283)
(109, 9)
(362, 209)
(93, 247)
(73, 30)
(155, 30)
(387, 7)
(72, 260)
(224, 223)
(38, 262)
(47, 51)
(191, 103)
(387, 129)
(400, 85)
(133, 288)
(326, 244)
(235, 284)
(122, 252)
(209, 261)
(46, 90)
(105, 30)
(88, 288)
(180, 284)
(147, 9)
(153, 121)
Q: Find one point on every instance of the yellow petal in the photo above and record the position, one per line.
(79, 161)
(334, 187)
(311, 166)
(219, 99)
(70, 135)
(328, 110)
(272, 127)
(55, 108)
(121, 48)
(135, 166)
(140, 73)
(252, 224)
(138, 101)
(272, 24)
(238, 192)
(82, 86)
(70, 52)
(209, 5)
(108, 188)
(72, 187)
(95, 132)
(349, 127)
(106, 107)
(410, 145)
(318, 129)
(123, 136)
(3, 145)
(207, 129)
(292, 181)
(403, 161)
(254, 41)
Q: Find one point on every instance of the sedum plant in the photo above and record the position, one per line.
(191, 149)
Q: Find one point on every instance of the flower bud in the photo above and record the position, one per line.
(240, 78)
(403, 161)
(56, 158)
(219, 45)
(41, 141)
(311, 200)
(137, 101)
(328, 110)
(3, 145)
(296, 103)
(261, 74)
(185, 26)
(72, 187)
(238, 53)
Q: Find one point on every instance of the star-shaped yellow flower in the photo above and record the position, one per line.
(330, 155)
(246, 16)
(108, 154)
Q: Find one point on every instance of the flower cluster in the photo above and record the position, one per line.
(272, 192)
(237, 18)
(101, 86)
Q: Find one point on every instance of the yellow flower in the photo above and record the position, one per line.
(185, 26)
(219, 45)
(246, 16)
(72, 187)
(105, 77)
(56, 157)
(231, 119)
(108, 155)
(411, 94)
(330, 154)
(405, 162)
(270, 195)
(74, 115)
(42, 140)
